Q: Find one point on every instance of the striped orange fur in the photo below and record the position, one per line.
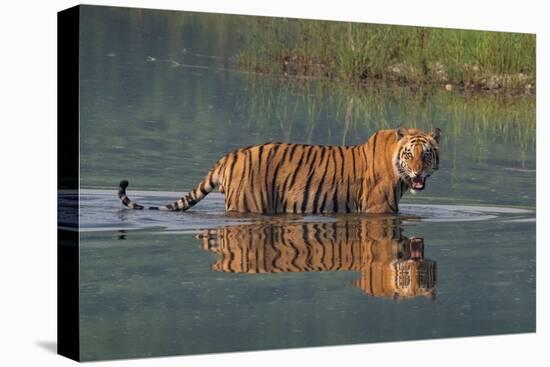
(389, 264)
(300, 178)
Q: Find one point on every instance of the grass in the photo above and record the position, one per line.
(340, 114)
(463, 59)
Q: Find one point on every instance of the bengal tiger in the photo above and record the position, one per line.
(299, 178)
(390, 265)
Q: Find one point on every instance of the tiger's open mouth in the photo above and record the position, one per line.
(416, 247)
(412, 250)
(417, 183)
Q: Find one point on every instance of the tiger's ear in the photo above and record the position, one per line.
(400, 132)
(436, 134)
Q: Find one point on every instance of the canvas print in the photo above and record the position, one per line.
(237, 183)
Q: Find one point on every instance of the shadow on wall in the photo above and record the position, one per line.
(50, 346)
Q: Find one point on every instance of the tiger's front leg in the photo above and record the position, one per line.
(384, 199)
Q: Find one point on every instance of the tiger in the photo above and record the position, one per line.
(277, 178)
(390, 265)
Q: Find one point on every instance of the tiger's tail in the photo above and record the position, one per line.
(209, 183)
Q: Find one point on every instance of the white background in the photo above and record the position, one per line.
(28, 181)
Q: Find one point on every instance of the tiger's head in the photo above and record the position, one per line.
(416, 156)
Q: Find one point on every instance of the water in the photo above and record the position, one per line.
(161, 101)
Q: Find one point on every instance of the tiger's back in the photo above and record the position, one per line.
(291, 178)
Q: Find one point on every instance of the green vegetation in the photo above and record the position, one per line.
(346, 115)
(413, 55)
(161, 126)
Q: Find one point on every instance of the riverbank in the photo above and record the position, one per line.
(355, 52)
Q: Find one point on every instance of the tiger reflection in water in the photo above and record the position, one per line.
(390, 265)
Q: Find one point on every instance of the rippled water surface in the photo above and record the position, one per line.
(161, 102)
